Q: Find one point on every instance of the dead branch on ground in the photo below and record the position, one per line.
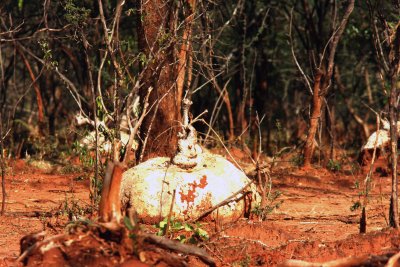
(366, 260)
(224, 202)
(32, 244)
(176, 246)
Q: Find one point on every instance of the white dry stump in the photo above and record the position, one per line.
(191, 183)
(381, 141)
(148, 189)
(380, 138)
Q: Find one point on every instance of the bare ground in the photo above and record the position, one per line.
(313, 223)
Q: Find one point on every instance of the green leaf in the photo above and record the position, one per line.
(188, 227)
(162, 224)
(181, 238)
(128, 223)
(177, 226)
(160, 233)
(202, 233)
(20, 4)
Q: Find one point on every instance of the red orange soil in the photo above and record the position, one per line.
(36, 199)
(313, 223)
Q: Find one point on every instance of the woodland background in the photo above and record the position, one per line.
(252, 64)
(299, 82)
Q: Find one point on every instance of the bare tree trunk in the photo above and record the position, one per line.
(362, 122)
(393, 212)
(314, 119)
(368, 86)
(37, 90)
(2, 166)
(185, 56)
(321, 87)
(332, 129)
(394, 58)
(159, 128)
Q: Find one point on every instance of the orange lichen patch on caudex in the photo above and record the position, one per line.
(203, 182)
(188, 192)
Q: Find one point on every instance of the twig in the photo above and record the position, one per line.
(369, 175)
(170, 212)
(155, 105)
(183, 248)
(294, 55)
(334, 43)
(35, 246)
(256, 241)
(222, 203)
(93, 184)
(215, 254)
(70, 85)
(367, 181)
(35, 86)
(103, 60)
(134, 130)
(110, 39)
(377, 41)
(222, 143)
(216, 109)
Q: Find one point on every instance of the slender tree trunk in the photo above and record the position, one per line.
(321, 87)
(332, 129)
(2, 166)
(314, 119)
(393, 212)
(394, 58)
(37, 90)
(362, 122)
(185, 56)
(159, 129)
